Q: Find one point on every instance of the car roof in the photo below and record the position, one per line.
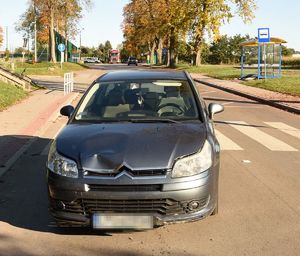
(142, 75)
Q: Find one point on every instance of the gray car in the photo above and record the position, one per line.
(139, 151)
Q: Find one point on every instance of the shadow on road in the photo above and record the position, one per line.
(13, 247)
(239, 124)
(23, 192)
(231, 100)
(59, 86)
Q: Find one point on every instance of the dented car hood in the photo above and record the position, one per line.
(134, 145)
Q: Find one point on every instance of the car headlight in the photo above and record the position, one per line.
(61, 165)
(194, 164)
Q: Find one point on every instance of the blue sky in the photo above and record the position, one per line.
(103, 21)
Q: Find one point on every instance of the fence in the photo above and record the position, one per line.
(68, 83)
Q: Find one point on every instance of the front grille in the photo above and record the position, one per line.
(125, 188)
(133, 173)
(160, 206)
(151, 206)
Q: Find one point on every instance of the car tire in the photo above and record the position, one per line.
(216, 210)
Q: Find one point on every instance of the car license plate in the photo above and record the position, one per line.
(120, 221)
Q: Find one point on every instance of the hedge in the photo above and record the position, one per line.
(291, 62)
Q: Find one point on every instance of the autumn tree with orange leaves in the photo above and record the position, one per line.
(156, 22)
(52, 15)
(1, 36)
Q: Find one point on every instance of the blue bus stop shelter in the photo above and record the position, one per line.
(261, 60)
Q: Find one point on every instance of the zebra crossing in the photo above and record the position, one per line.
(263, 138)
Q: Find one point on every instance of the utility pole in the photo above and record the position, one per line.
(6, 37)
(28, 37)
(35, 35)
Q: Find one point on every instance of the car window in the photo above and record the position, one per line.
(126, 100)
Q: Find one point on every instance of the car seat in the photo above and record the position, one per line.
(115, 103)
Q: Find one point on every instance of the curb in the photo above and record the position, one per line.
(38, 130)
(252, 97)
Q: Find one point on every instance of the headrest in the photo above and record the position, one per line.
(130, 96)
(172, 91)
(115, 97)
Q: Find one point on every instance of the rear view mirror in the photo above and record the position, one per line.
(67, 110)
(214, 108)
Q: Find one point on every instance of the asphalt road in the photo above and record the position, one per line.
(114, 66)
(259, 212)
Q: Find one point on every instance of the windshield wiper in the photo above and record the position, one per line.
(153, 120)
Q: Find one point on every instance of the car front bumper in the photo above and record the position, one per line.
(72, 203)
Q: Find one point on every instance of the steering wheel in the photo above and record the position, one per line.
(172, 105)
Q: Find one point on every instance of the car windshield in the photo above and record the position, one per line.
(157, 100)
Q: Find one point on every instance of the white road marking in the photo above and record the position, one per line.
(235, 106)
(226, 143)
(227, 103)
(207, 92)
(261, 137)
(246, 161)
(285, 128)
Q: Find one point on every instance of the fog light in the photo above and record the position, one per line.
(60, 205)
(194, 205)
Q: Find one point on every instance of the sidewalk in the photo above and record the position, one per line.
(22, 123)
(275, 99)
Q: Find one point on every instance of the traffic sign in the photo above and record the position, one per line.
(263, 35)
(61, 47)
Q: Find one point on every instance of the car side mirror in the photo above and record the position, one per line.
(67, 110)
(214, 108)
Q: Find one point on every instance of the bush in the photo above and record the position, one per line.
(291, 62)
(7, 55)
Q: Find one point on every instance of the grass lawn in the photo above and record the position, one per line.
(46, 68)
(289, 83)
(10, 94)
(226, 72)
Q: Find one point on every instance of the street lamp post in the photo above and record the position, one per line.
(81, 29)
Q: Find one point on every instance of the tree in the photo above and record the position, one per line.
(51, 15)
(20, 50)
(105, 50)
(287, 51)
(1, 36)
(179, 13)
(209, 15)
(226, 50)
(155, 23)
(69, 17)
(138, 26)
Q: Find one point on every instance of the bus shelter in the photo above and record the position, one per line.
(261, 60)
